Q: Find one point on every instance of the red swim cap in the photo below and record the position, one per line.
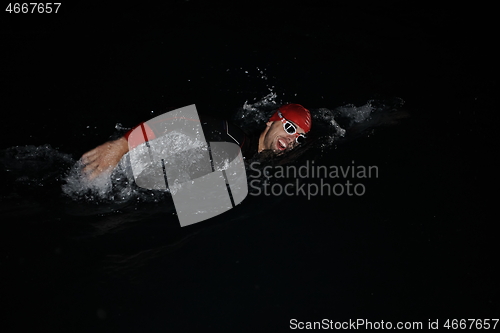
(296, 113)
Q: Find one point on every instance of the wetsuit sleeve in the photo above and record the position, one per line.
(136, 138)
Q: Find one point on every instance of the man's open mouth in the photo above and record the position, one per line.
(281, 144)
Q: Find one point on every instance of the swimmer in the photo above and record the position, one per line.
(285, 130)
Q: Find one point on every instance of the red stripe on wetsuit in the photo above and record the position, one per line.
(135, 138)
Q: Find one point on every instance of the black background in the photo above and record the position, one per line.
(419, 245)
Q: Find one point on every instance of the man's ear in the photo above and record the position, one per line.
(269, 123)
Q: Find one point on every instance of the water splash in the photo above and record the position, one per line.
(324, 120)
(120, 127)
(253, 116)
(341, 123)
(182, 155)
(78, 186)
(355, 114)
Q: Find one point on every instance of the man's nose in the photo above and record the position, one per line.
(290, 138)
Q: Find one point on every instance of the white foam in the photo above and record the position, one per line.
(356, 114)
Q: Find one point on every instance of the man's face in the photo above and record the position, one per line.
(275, 138)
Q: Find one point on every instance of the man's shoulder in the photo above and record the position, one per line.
(222, 130)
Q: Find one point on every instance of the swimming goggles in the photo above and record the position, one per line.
(291, 128)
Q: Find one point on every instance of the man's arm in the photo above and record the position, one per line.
(104, 157)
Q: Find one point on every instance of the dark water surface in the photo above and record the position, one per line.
(418, 245)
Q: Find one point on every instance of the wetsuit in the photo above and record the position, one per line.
(215, 130)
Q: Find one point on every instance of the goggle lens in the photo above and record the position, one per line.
(290, 128)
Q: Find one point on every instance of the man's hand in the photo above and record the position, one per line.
(104, 157)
